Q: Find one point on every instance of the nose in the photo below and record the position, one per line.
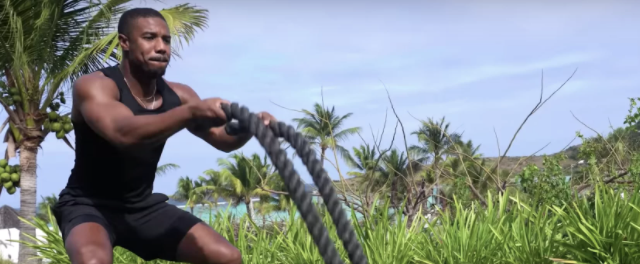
(161, 47)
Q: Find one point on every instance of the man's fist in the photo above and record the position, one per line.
(266, 118)
(209, 109)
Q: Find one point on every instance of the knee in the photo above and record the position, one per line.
(91, 255)
(226, 255)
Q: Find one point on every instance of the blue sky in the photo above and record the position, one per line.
(477, 64)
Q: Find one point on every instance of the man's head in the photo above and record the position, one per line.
(145, 40)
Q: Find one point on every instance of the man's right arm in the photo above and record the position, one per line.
(96, 98)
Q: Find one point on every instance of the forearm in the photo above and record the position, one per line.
(219, 139)
(144, 128)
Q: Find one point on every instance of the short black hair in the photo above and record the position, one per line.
(129, 16)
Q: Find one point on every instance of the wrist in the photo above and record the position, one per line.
(190, 109)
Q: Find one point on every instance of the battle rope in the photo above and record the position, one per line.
(268, 138)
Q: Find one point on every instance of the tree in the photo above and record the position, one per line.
(46, 45)
(189, 191)
(322, 128)
(164, 168)
(369, 168)
(243, 178)
(395, 168)
(435, 142)
(212, 183)
(46, 205)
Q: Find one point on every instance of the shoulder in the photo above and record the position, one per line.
(94, 84)
(185, 92)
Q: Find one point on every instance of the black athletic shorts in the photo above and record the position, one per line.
(152, 232)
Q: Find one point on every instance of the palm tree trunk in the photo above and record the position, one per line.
(249, 205)
(323, 151)
(394, 191)
(436, 172)
(28, 184)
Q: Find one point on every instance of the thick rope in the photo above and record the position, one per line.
(268, 138)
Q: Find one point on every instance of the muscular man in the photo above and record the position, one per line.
(123, 115)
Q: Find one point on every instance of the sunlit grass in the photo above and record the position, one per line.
(602, 229)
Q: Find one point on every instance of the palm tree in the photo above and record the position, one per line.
(46, 45)
(435, 142)
(188, 191)
(164, 168)
(395, 166)
(244, 176)
(466, 169)
(322, 127)
(213, 183)
(46, 205)
(368, 167)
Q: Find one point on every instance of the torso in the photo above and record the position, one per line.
(106, 175)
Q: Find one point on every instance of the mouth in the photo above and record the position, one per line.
(159, 59)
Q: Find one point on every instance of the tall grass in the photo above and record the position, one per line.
(602, 228)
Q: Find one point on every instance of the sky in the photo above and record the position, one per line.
(479, 65)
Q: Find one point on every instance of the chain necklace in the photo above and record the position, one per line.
(155, 85)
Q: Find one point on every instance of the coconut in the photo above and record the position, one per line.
(60, 134)
(67, 127)
(56, 127)
(16, 98)
(53, 115)
(62, 100)
(3, 163)
(7, 184)
(16, 168)
(13, 91)
(15, 177)
(9, 169)
(11, 190)
(1, 170)
(5, 177)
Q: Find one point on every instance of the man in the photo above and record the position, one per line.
(123, 115)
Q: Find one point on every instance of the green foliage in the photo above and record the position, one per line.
(546, 186)
(605, 229)
(633, 117)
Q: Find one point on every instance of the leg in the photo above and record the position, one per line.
(87, 235)
(89, 243)
(164, 231)
(203, 245)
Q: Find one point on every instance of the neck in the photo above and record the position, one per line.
(140, 85)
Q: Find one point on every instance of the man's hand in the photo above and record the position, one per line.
(267, 118)
(209, 109)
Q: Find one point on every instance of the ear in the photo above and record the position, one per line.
(124, 42)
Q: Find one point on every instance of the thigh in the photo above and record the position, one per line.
(89, 243)
(156, 232)
(204, 245)
(87, 235)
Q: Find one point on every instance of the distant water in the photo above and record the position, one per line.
(205, 211)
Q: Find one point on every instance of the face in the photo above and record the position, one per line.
(148, 46)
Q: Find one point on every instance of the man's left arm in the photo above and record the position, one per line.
(215, 136)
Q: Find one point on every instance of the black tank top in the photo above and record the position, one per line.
(105, 175)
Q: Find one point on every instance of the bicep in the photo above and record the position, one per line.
(99, 108)
(188, 95)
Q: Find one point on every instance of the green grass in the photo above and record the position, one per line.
(602, 229)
